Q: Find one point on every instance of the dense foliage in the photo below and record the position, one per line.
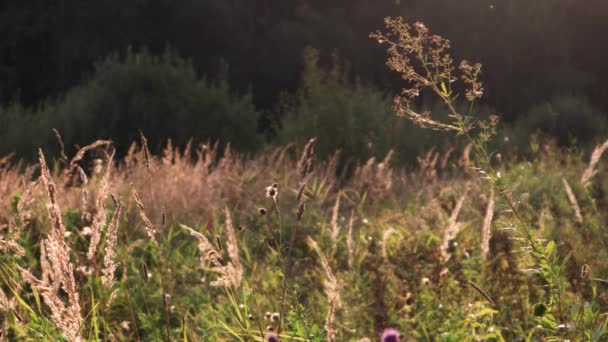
(532, 53)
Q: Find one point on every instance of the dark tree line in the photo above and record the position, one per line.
(532, 51)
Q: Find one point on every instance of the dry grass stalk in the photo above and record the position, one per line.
(100, 218)
(150, 230)
(7, 246)
(331, 287)
(228, 276)
(573, 202)
(109, 258)
(428, 164)
(305, 163)
(335, 228)
(453, 227)
(374, 178)
(45, 267)
(81, 152)
(591, 170)
(233, 249)
(350, 243)
(26, 201)
(446, 157)
(67, 317)
(486, 231)
(6, 304)
(63, 157)
(465, 160)
(304, 167)
(85, 194)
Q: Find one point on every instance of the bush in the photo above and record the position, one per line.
(21, 131)
(350, 116)
(161, 96)
(568, 119)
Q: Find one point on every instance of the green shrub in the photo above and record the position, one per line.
(350, 116)
(568, 119)
(161, 96)
(21, 131)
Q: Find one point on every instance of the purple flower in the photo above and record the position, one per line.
(272, 338)
(390, 335)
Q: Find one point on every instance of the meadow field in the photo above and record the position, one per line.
(476, 241)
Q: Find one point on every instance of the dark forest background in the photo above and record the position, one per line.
(260, 72)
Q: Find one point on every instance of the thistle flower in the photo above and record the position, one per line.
(390, 335)
(272, 338)
(272, 191)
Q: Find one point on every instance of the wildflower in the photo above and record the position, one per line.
(272, 191)
(390, 335)
(268, 315)
(86, 231)
(250, 316)
(270, 328)
(272, 338)
(275, 317)
(126, 325)
(262, 211)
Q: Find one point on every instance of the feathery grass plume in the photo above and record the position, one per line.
(573, 201)
(63, 157)
(228, 275)
(80, 154)
(47, 272)
(486, 230)
(68, 318)
(84, 180)
(331, 287)
(233, 249)
(350, 243)
(335, 228)
(390, 335)
(301, 192)
(305, 167)
(100, 218)
(7, 246)
(428, 164)
(150, 230)
(446, 157)
(465, 160)
(591, 171)
(452, 229)
(6, 304)
(144, 142)
(109, 258)
(300, 211)
(26, 201)
(305, 163)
